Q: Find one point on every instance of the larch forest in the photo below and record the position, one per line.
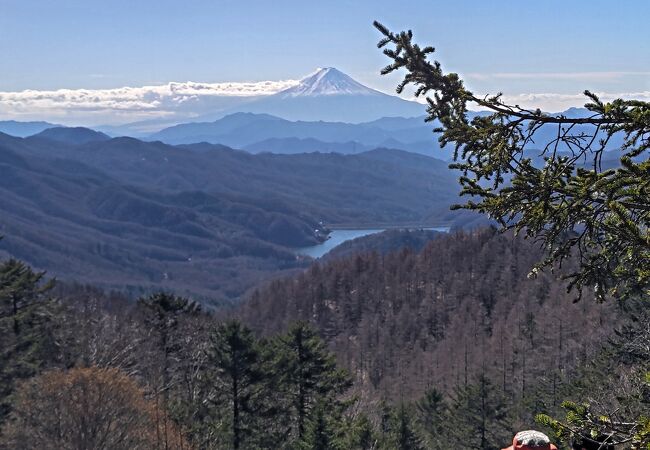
(530, 312)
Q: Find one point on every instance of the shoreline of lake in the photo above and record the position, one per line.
(340, 235)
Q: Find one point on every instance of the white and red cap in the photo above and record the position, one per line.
(531, 440)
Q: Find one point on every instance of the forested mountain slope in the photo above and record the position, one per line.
(363, 188)
(202, 220)
(385, 242)
(461, 307)
(80, 224)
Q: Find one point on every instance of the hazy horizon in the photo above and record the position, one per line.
(95, 63)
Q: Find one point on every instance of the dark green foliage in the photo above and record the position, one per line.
(282, 394)
(359, 434)
(161, 314)
(307, 374)
(165, 307)
(478, 416)
(565, 197)
(559, 192)
(235, 380)
(432, 415)
(405, 436)
(27, 327)
(399, 431)
(20, 289)
(320, 433)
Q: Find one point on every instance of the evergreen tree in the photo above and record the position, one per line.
(306, 372)
(27, 327)
(320, 434)
(162, 314)
(235, 384)
(431, 413)
(478, 417)
(359, 434)
(20, 289)
(399, 432)
(567, 198)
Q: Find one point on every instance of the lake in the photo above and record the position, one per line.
(337, 237)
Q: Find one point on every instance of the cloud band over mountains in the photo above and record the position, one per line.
(187, 100)
(552, 102)
(132, 103)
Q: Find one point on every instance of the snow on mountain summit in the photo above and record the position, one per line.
(328, 95)
(327, 81)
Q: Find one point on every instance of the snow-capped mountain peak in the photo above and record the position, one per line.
(327, 81)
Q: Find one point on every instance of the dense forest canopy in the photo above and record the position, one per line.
(400, 349)
(462, 305)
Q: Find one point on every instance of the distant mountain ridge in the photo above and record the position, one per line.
(264, 132)
(200, 219)
(294, 145)
(315, 181)
(80, 224)
(24, 129)
(72, 135)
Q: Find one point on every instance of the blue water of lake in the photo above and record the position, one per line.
(337, 237)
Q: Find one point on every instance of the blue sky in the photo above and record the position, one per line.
(517, 47)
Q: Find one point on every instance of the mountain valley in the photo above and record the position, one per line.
(201, 219)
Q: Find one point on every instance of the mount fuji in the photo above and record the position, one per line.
(330, 95)
(327, 81)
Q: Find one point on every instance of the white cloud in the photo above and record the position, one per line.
(125, 104)
(553, 102)
(559, 102)
(182, 101)
(579, 76)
